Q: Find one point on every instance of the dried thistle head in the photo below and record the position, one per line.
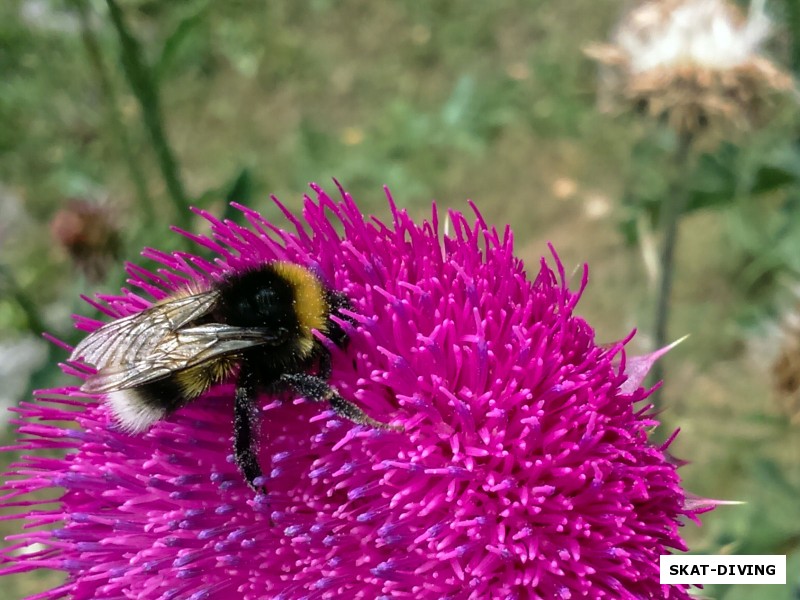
(786, 368)
(89, 234)
(695, 64)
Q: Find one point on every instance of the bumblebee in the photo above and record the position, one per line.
(260, 322)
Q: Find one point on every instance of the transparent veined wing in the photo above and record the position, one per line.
(180, 350)
(132, 339)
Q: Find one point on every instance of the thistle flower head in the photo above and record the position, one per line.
(524, 469)
(693, 63)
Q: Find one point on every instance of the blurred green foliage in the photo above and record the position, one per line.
(443, 99)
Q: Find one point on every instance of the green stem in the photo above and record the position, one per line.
(793, 23)
(673, 208)
(141, 81)
(114, 114)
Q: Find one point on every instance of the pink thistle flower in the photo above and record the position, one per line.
(524, 470)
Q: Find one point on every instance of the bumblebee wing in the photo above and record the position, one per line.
(194, 345)
(132, 339)
(181, 350)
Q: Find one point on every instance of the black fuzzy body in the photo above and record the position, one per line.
(257, 298)
(293, 361)
(259, 325)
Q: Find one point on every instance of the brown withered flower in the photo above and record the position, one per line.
(89, 234)
(695, 64)
(786, 368)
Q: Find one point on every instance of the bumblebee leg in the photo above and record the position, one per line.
(325, 365)
(247, 429)
(317, 389)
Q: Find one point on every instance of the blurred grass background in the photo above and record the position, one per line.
(443, 100)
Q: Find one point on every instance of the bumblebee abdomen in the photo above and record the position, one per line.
(137, 408)
(195, 381)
